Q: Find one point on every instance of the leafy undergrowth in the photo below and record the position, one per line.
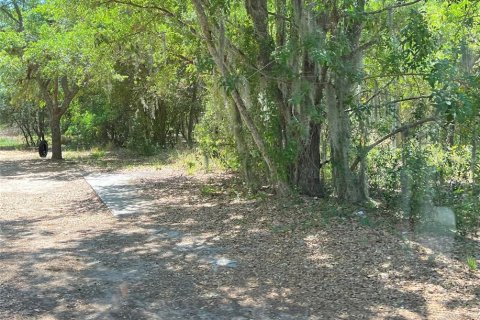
(321, 255)
(297, 215)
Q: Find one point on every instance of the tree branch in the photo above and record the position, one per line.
(43, 84)
(141, 6)
(376, 94)
(396, 101)
(68, 93)
(365, 46)
(19, 15)
(394, 6)
(65, 86)
(406, 127)
(8, 14)
(19, 19)
(279, 16)
(408, 99)
(395, 75)
(229, 45)
(165, 11)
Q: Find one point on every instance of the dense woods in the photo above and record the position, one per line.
(351, 99)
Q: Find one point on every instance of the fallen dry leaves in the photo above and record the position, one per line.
(210, 253)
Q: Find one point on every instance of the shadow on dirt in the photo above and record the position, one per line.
(201, 257)
(173, 274)
(39, 169)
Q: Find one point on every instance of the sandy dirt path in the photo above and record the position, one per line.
(63, 255)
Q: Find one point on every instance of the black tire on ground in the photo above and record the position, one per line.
(43, 148)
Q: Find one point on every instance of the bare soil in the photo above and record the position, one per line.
(63, 255)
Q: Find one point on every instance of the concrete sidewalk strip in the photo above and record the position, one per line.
(121, 193)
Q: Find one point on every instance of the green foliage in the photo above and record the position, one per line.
(24, 115)
(416, 42)
(384, 172)
(472, 263)
(417, 180)
(139, 139)
(208, 190)
(467, 208)
(214, 136)
(82, 126)
(451, 164)
(98, 154)
(429, 176)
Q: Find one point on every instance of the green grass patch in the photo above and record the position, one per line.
(472, 263)
(98, 154)
(208, 191)
(11, 142)
(190, 160)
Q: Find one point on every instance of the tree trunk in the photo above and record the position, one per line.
(346, 186)
(308, 165)
(339, 92)
(257, 10)
(56, 136)
(473, 164)
(30, 136)
(216, 52)
(49, 89)
(277, 183)
(245, 158)
(362, 176)
(25, 136)
(451, 134)
(304, 172)
(191, 115)
(160, 123)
